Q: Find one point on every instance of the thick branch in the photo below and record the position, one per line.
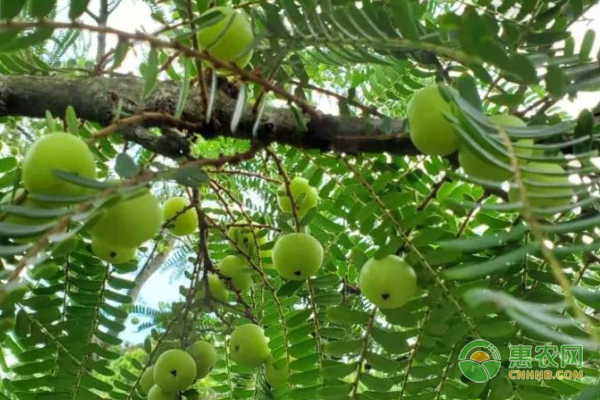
(99, 99)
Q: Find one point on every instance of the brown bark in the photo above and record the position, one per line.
(98, 99)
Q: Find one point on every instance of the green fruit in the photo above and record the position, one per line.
(186, 223)
(558, 196)
(305, 196)
(245, 240)
(430, 132)
(479, 167)
(112, 254)
(244, 60)
(297, 256)
(131, 222)
(228, 38)
(237, 269)
(147, 380)
(276, 372)
(205, 356)
(135, 321)
(57, 151)
(14, 151)
(249, 346)
(174, 371)
(216, 287)
(157, 393)
(388, 283)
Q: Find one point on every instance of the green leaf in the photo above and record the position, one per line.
(591, 393)
(240, 105)
(193, 176)
(78, 7)
(378, 384)
(212, 95)
(345, 315)
(38, 367)
(35, 213)
(392, 342)
(41, 8)
(334, 392)
(588, 297)
(38, 36)
(576, 225)
(9, 230)
(403, 17)
(81, 181)
(382, 363)
(309, 393)
(586, 45)
(307, 363)
(72, 121)
(151, 73)
(556, 81)
(125, 166)
(487, 241)
(7, 164)
(399, 316)
(467, 87)
(337, 370)
(305, 378)
(107, 338)
(584, 129)
(497, 264)
(11, 8)
(569, 46)
(50, 123)
(121, 52)
(14, 250)
(340, 348)
(188, 66)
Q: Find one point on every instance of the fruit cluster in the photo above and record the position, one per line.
(295, 256)
(546, 183)
(127, 223)
(176, 370)
(121, 227)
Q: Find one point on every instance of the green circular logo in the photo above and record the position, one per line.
(479, 361)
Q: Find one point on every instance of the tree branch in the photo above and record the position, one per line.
(99, 99)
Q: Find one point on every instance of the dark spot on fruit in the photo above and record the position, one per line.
(113, 254)
(174, 373)
(211, 368)
(298, 273)
(385, 296)
(237, 347)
